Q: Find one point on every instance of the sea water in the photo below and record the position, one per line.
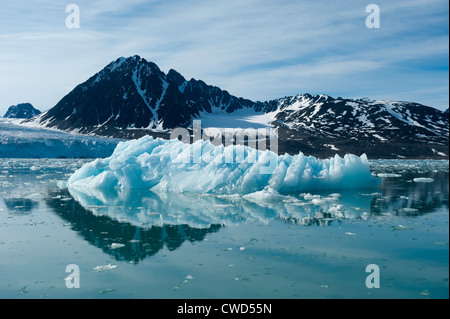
(140, 244)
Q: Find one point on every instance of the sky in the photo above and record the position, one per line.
(256, 49)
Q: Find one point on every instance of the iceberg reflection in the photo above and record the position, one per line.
(136, 242)
(147, 209)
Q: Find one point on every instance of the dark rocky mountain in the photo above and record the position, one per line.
(21, 111)
(134, 93)
(132, 97)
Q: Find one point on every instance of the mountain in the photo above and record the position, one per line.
(132, 97)
(21, 111)
(381, 129)
(363, 118)
(135, 93)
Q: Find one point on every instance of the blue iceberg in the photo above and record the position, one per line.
(204, 168)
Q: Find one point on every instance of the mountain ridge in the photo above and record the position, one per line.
(21, 111)
(132, 97)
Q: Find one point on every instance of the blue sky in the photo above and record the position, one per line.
(257, 49)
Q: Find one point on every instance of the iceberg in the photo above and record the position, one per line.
(204, 168)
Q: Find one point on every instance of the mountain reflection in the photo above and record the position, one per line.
(20, 205)
(403, 196)
(103, 231)
(146, 222)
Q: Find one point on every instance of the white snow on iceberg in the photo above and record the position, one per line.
(170, 166)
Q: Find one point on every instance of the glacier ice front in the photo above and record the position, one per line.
(173, 166)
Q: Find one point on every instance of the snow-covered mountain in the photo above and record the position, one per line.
(135, 93)
(362, 118)
(21, 111)
(132, 97)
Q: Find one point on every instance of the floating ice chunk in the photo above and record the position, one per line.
(402, 227)
(266, 195)
(116, 246)
(423, 180)
(311, 197)
(105, 267)
(389, 175)
(336, 210)
(169, 166)
(409, 210)
(318, 201)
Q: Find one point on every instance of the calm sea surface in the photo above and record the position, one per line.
(143, 245)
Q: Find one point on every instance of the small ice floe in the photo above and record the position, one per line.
(425, 293)
(423, 180)
(310, 196)
(116, 246)
(350, 234)
(318, 201)
(336, 210)
(102, 292)
(389, 175)
(105, 268)
(365, 215)
(371, 194)
(409, 210)
(186, 279)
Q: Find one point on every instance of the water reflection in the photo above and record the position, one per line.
(146, 222)
(397, 195)
(20, 205)
(104, 231)
(146, 209)
(401, 195)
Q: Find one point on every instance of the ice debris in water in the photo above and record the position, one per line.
(171, 166)
(105, 267)
(423, 180)
(389, 175)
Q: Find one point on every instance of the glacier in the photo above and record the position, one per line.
(204, 168)
(17, 140)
